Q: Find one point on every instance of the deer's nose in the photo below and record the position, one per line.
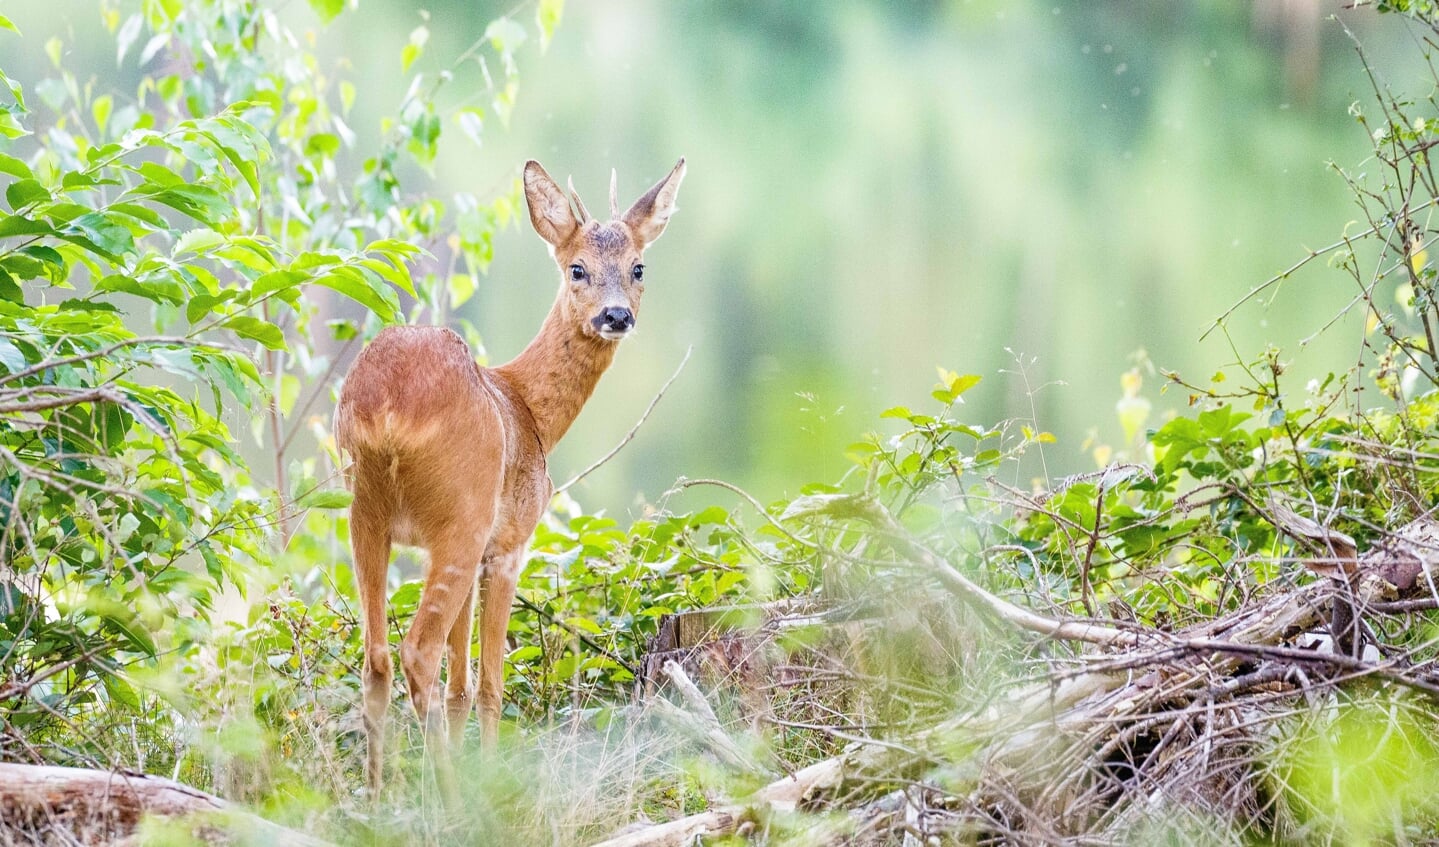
(615, 319)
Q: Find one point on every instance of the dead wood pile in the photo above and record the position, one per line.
(1144, 731)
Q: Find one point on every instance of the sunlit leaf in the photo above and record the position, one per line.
(326, 499)
(15, 167)
(328, 10)
(548, 15)
(255, 329)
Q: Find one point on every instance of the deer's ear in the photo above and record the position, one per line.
(648, 216)
(550, 211)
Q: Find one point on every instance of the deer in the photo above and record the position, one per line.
(452, 457)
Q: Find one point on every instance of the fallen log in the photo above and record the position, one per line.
(47, 804)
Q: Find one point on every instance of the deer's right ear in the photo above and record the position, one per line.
(550, 211)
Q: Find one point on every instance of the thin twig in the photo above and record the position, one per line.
(629, 436)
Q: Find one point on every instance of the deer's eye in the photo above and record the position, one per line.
(638, 272)
(577, 273)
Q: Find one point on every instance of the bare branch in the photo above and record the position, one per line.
(629, 436)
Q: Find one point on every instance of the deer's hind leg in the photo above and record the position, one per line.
(456, 528)
(370, 516)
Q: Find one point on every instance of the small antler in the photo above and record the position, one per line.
(614, 193)
(580, 204)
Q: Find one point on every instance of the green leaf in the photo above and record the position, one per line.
(462, 287)
(10, 290)
(24, 192)
(963, 383)
(9, 126)
(16, 90)
(35, 261)
(129, 31)
(255, 329)
(549, 15)
(140, 213)
(127, 624)
(158, 290)
(395, 275)
(472, 124)
(15, 167)
(305, 261)
(199, 202)
(203, 304)
(21, 225)
(415, 48)
(197, 241)
(75, 304)
(78, 181)
(6, 24)
(326, 144)
(342, 330)
(353, 283)
(100, 110)
(110, 239)
(505, 35)
(180, 362)
(328, 10)
(120, 691)
(329, 499)
(276, 281)
(11, 357)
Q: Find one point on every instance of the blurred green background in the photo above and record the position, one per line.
(1029, 191)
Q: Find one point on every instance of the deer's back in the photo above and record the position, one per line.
(409, 387)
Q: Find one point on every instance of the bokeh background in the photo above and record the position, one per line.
(1042, 193)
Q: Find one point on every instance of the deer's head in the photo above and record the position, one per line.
(600, 262)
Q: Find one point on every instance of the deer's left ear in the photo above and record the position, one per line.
(648, 216)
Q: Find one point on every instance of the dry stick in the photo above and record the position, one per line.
(320, 386)
(629, 436)
(871, 511)
(69, 398)
(700, 720)
(1287, 272)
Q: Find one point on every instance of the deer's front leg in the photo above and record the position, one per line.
(497, 592)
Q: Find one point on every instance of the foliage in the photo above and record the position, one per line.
(226, 206)
(165, 262)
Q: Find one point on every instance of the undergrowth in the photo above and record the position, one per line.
(169, 609)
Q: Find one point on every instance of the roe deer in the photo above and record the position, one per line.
(450, 456)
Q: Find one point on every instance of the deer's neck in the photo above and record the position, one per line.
(557, 373)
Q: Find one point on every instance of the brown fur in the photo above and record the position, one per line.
(451, 457)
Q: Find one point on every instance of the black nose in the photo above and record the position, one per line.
(615, 319)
